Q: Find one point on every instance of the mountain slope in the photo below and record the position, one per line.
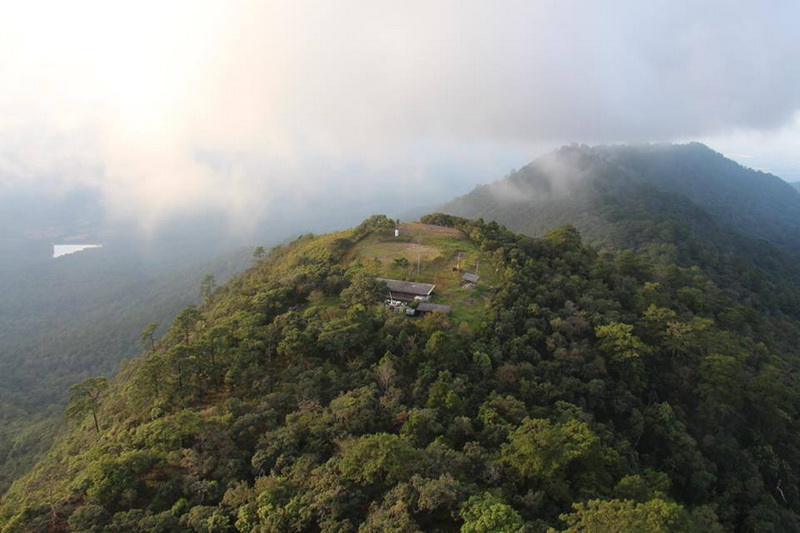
(618, 210)
(575, 184)
(568, 388)
(80, 315)
(754, 203)
(563, 187)
(63, 321)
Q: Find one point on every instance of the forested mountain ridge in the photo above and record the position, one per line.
(617, 210)
(755, 203)
(572, 185)
(79, 315)
(591, 390)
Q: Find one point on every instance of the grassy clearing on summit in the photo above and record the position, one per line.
(433, 254)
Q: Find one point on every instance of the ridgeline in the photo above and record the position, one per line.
(567, 390)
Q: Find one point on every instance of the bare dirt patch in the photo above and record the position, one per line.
(389, 251)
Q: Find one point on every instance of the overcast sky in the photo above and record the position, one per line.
(247, 107)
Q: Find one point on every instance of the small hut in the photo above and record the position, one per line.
(469, 280)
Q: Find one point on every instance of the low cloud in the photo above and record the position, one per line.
(552, 177)
(251, 108)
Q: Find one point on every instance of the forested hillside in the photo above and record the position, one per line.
(754, 203)
(578, 391)
(575, 184)
(619, 211)
(79, 316)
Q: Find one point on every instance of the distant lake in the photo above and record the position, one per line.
(65, 249)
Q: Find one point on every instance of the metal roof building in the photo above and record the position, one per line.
(407, 290)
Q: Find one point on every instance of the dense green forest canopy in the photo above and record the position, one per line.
(79, 316)
(755, 203)
(592, 391)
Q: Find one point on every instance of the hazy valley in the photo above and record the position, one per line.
(621, 353)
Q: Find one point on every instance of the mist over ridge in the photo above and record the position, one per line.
(260, 111)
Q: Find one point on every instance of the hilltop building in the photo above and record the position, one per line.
(407, 290)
